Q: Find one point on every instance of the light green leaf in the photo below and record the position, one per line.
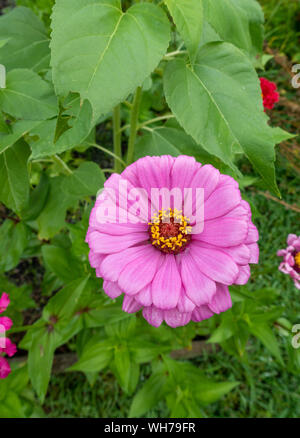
(218, 102)
(40, 359)
(13, 238)
(27, 96)
(108, 39)
(265, 334)
(20, 128)
(37, 199)
(150, 394)
(60, 261)
(209, 392)
(87, 180)
(27, 43)
(95, 357)
(159, 141)
(188, 17)
(14, 181)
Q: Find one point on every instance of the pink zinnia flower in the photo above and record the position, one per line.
(8, 347)
(4, 368)
(4, 302)
(291, 259)
(166, 263)
(5, 324)
(269, 93)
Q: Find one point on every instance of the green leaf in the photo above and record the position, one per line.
(27, 43)
(208, 392)
(218, 102)
(37, 199)
(95, 357)
(19, 129)
(229, 21)
(109, 39)
(13, 238)
(27, 96)
(43, 142)
(14, 181)
(225, 330)
(265, 334)
(64, 193)
(11, 406)
(188, 17)
(149, 396)
(60, 261)
(40, 359)
(122, 366)
(87, 180)
(64, 302)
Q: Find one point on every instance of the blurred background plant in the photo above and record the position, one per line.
(253, 371)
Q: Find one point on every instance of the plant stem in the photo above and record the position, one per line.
(156, 119)
(106, 151)
(117, 137)
(134, 124)
(62, 164)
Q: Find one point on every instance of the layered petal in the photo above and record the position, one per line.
(166, 286)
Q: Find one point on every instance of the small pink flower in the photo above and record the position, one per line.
(5, 324)
(4, 368)
(8, 347)
(291, 259)
(165, 263)
(4, 302)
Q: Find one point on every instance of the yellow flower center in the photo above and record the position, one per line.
(169, 231)
(297, 259)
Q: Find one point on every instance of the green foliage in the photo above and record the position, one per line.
(64, 81)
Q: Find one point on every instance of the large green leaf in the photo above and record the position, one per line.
(14, 181)
(229, 21)
(265, 334)
(28, 96)
(95, 357)
(27, 43)
(188, 17)
(60, 261)
(218, 102)
(106, 38)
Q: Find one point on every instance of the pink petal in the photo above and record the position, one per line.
(201, 313)
(4, 368)
(137, 274)
(252, 236)
(241, 254)
(144, 297)
(4, 302)
(224, 232)
(185, 305)
(221, 300)
(291, 238)
(221, 201)
(215, 264)
(174, 318)
(183, 171)
(153, 315)
(254, 253)
(130, 305)
(5, 324)
(106, 244)
(244, 275)
(199, 288)
(95, 259)
(207, 177)
(111, 289)
(113, 264)
(166, 285)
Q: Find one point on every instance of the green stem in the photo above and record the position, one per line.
(134, 124)
(156, 119)
(62, 164)
(117, 137)
(106, 151)
(24, 328)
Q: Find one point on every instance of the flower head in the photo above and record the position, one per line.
(4, 302)
(269, 93)
(5, 324)
(172, 235)
(4, 368)
(291, 259)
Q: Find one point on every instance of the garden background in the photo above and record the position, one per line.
(259, 383)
